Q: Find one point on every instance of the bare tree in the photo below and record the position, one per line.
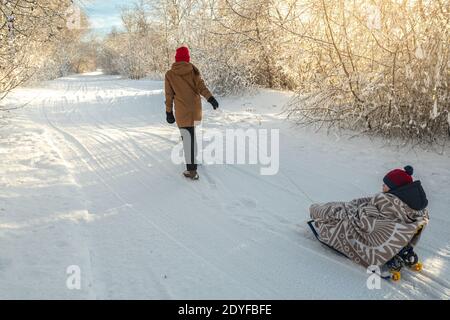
(33, 35)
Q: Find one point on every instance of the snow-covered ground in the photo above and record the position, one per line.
(86, 179)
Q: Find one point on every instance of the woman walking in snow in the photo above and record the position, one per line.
(183, 87)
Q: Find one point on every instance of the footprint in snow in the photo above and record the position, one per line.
(248, 202)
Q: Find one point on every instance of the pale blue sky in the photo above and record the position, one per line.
(104, 14)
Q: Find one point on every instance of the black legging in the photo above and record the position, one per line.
(190, 147)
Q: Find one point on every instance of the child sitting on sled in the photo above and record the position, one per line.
(380, 230)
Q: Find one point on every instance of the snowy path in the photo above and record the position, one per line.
(86, 179)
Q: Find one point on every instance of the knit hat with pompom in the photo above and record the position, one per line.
(398, 178)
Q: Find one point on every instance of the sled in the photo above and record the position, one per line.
(393, 267)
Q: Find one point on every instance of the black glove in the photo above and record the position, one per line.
(213, 102)
(169, 117)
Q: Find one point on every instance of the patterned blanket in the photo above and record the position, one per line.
(369, 231)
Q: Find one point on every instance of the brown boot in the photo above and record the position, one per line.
(192, 174)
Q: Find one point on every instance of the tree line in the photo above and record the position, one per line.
(376, 66)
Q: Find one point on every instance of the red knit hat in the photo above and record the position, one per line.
(182, 55)
(399, 178)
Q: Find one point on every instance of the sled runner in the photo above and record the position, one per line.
(313, 229)
(405, 258)
(392, 269)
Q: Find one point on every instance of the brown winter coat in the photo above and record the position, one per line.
(184, 85)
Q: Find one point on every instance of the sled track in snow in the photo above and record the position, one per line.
(96, 167)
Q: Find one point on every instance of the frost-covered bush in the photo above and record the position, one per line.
(374, 66)
(33, 37)
(225, 74)
(383, 70)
